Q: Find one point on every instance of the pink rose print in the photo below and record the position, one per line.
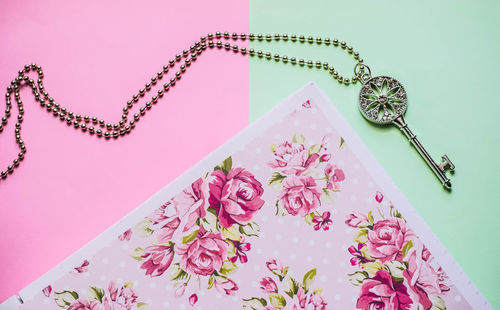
(307, 104)
(418, 294)
(267, 285)
(235, 196)
(159, 259)
(335, 176)
(300, 195)
(387, 238)
(179, 291)
(228, 287)
(292, 158)
(358, 258)
(126, 235)
(47, 290)
(425, 276)
(275, 267)
(396, 271)
(203, 255)
(115, 298)
(203, 231)
(84, 267)
(430, 266)
(325, 157)
(430, 276)
(124, 297)
(322, 221)
(306, 178)
(240, 247)
(182, 212)
(193, 299)
(287, 292)
(167, 231)
(326, 141)
(160, 214)
(318, 302)
(356, 219)
(83, 304)
(302, 297)
(382, 293)
(191, 205)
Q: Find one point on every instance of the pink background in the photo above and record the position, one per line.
(95, 55)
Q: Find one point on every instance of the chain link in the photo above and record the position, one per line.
(102, 129)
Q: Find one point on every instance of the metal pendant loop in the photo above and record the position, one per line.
(362, 72)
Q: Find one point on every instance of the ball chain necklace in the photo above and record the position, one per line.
(382, 99)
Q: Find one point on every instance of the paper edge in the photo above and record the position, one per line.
(11, 303)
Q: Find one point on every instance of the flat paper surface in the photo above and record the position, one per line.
(292, 213)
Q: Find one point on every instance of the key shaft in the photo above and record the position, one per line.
(437, 169)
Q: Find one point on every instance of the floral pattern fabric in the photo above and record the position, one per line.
(113, 298)
(199, 235)
(307, 179)
(396, 270)
(291, 220)
(290, 294)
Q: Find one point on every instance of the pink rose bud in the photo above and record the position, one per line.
(268, 286)
(113, 290)
(326, 157)
(193, 299)
(356, 219)
(334, 176)
(180, 290)
(379, 197)
(228, 287)
(84, 267)
(274, 266)
(318, 302)
(326, 139)
(79, 304)
(126, 235)
(47, 290)
(157, 259)
(302, 297)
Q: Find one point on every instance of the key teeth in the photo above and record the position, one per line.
(446, 164)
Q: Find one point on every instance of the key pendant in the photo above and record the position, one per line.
(382, 101)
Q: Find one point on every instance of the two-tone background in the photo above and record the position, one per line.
(96, 54)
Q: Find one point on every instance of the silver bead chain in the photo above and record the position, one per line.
(100, 128)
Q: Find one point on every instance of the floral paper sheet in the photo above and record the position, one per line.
(293, 213)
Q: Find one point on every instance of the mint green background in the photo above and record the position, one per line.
(446, 54)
